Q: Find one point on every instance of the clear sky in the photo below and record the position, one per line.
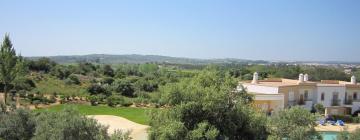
(265, 29)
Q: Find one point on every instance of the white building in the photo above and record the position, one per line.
(338, 97)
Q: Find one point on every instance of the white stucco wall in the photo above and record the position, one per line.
(311, 93)
(351, 92)
(355, 106)
(261, 89)
(328, 92)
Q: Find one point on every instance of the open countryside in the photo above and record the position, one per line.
(180, 70)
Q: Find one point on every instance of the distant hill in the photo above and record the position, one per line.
(135, 58)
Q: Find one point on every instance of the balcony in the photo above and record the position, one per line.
(335, 102)
(301, 102)
(358, 100)
(304, 101)
(348, 102)
(292, 102)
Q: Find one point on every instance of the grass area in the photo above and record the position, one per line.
(137, 115)
(50, 85)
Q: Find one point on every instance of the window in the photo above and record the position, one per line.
(355, 96)
(322, 96)
(306, 94)
(335, 95)
(291, 96)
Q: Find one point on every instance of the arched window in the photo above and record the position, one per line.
(322, 96)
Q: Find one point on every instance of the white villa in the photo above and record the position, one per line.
(338, 97)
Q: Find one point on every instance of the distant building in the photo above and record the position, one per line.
(347, 71)
(338, 97)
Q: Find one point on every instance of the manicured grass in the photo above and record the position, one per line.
(137, 115)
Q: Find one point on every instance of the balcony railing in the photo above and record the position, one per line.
(335, 102)
(301, 102)
(357, 100)
(348, 102)
(292, 102)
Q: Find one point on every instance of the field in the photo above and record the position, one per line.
(137, 115)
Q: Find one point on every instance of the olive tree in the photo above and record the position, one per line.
(207, 107)
(68, 125)
(17, 125)
(295, 123)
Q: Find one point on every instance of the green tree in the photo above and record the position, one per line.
(60, 72)
(10, 64)
(108, 71)
(73, 79)
(96, 89)
(207, 107)
(68, 125)
(17, 125)
(295, 123)
(124, 87)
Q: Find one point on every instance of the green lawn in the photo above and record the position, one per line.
(137, 115)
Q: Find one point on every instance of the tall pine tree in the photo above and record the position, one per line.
(8, 65)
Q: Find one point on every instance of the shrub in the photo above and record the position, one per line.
(319, 108)
(94, 100)
(68, 125)
(107, 80)
(126, 102)
(115, 100)
(72, 79)
(17, 125)
(124, 87)
(294, 123)
(52, 99)
(95, 89)
(24, 84)
(22, 93)
(120, 135)
(356, 119)
(345, 118)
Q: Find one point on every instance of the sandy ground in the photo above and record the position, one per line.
(348, 127)
(138, 131)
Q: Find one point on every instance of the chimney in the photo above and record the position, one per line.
(255, 78)
(306, 77)
(301, 78)
(353, 80)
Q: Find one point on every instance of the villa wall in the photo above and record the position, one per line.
(297, 90)
(274, 97)
(350, 92)
(336, 111)
(268, 105)
(328, 94)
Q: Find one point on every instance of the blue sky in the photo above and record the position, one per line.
(253, 29)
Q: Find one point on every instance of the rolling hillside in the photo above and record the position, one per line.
(135, 58)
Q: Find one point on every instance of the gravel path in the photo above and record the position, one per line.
(138, 131)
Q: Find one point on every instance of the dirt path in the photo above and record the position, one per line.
(138, 131)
